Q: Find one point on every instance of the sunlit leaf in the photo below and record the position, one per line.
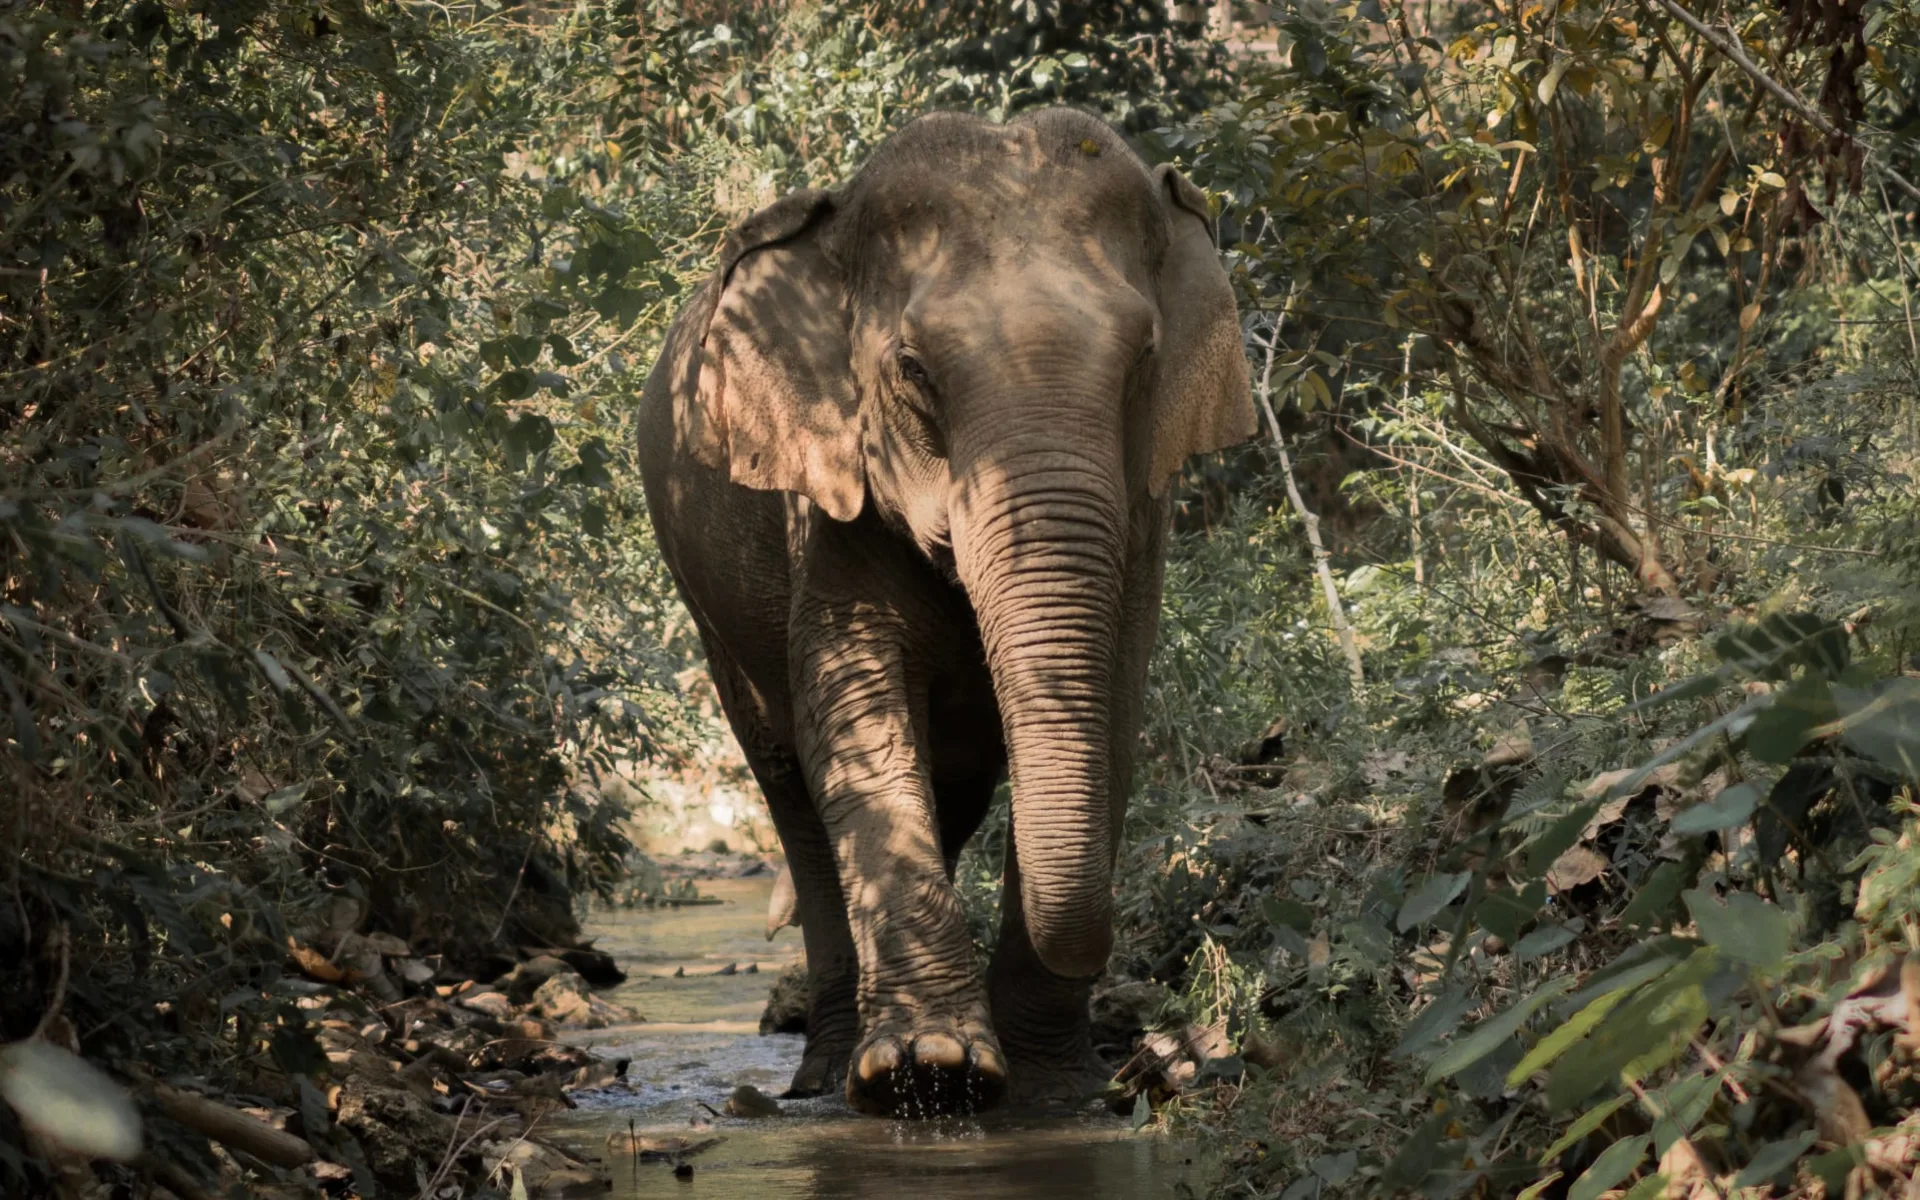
(1495, 1031)
(1615, 1163)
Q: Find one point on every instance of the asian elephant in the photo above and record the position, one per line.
(907, 454)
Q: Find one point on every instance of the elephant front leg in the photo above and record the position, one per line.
(926, 1047)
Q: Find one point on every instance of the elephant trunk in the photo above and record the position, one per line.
(1039, 546)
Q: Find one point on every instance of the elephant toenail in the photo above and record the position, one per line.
(987, 1061)
(881, 1058)
(941, 1050)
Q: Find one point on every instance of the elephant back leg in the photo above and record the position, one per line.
(1042, 1018)
(833, 970)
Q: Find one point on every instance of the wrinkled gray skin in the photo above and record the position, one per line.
(907, 454)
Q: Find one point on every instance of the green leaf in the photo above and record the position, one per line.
(1588, 1121)
(1615, 1163)
(529, 435)
(1142, 1112)
(69, 1101)
(1642, 1034)
(1686, 689)
(1678, 1107)
(593, 518)
(1504, 913)
(1436, 1020)
(1774, 1158)
(1636, 965)
(1771, 647)
(1654, 901)
(1535, 1189)
(1552, 1046)
(1746, 928)
(1647, 1188)
(1558, 838)
(1494, 1031)
(1883, 723)
(281, 801)
(516, 384)
(1430, 897)
(1291, 914)
(1731, 807)
(1544, 940)
(1335, 1169)
(1782, 728)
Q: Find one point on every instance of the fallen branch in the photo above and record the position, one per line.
(235, 1130)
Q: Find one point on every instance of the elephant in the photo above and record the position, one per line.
(908, 455)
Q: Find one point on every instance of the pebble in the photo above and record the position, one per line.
(750, 1101)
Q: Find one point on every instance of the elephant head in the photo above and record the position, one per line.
(1006, 339)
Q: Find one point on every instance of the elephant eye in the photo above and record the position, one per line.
(914, 371)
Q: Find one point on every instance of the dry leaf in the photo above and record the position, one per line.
(1577, 866)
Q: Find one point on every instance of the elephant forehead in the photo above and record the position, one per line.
(1006, 197)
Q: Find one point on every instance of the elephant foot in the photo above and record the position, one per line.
(1054, 1081)
(821, 1069)
(926, 1070)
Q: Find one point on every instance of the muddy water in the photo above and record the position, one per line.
(701, 1039)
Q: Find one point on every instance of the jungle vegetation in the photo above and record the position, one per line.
(1529, 805)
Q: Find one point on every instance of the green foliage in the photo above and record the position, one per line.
(321, 573)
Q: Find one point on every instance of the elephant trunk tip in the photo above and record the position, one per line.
(1079, 952)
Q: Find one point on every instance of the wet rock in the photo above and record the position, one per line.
(598, 1075)
(389, 945)
(363, 963)
(595, 966)
(751, 969)
(565, 1000)
(729, 969)
(396, 1129)
(493, 1004)
(750, 1102)
(525, 979)
(786, 1010)
(545, 1171)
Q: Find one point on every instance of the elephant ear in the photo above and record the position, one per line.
(1202, 399)
(776, 406)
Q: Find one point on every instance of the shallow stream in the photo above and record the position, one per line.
(701, 1039)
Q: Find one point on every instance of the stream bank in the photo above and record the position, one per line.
(700, 1040)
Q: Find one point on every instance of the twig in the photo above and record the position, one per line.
(58, 999)
(1348, 644)
(1731, 48)
(1718, 1065)
(1653, 1109)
